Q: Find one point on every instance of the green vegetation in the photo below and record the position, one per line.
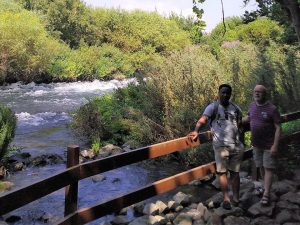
(167, 104)
(290, 127)
(26, 50)
(44, 41)
(7, 128)
(178, 66)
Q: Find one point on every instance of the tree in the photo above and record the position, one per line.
(68, 19)
(292, 7)
(274, 11)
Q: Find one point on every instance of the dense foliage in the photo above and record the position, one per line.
(179, 68)
(57, 40)
(7, 128)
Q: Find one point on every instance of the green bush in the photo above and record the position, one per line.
(7, 128)
(25, 48)
(117, 118)
(258, 32)
(290, 127)
(9, 6)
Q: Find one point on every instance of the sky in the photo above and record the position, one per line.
(212, 8)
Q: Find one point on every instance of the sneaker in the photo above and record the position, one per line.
(226, 205)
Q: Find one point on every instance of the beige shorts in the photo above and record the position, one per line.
(228, 159)
(263, 157)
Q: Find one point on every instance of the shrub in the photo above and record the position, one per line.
(7, 128)
(25, 48)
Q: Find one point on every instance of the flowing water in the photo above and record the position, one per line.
(43, 116)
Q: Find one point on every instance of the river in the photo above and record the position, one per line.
(42, 112)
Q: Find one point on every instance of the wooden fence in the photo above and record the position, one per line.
(69, 178)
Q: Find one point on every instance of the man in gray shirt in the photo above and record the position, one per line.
(225, 120)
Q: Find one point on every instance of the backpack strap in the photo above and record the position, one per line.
(237, 109)
(215, 112)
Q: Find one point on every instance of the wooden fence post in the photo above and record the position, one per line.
(71, 191)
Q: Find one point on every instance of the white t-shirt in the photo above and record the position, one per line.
(224, 126)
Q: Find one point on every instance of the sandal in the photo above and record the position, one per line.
(226, 205)
(265, 200)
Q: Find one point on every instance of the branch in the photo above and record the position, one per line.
(223, 18)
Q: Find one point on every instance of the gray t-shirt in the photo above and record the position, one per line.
(224, 127)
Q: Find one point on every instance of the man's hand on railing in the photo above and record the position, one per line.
(193, 135)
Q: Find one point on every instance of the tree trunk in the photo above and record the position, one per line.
(292, 6)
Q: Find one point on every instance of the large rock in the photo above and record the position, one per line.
(291, 197)
(163, 208)
(286, 205)
(259, 210)
(205, 214)
(263, 221)
(46, 159)
(88, 154)
(139, 207)
(98, 178)
(287, 215)
(110, 150)
(170, 216)
(183, 219)
(282, 187)
(235, 211)
(182, 199)
(232, 220)
(149, 220)
(172, 205)
(192, 214)
(151, 209)
(215, 220)
(246, 186)
(215, 201)
(5, 185)
(248, 199)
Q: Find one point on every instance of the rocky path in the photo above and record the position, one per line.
(184, 209)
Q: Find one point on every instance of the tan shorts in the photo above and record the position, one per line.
(228, 159)
(263, 157)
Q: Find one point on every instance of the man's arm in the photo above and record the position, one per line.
(274, 148)
(200, 123)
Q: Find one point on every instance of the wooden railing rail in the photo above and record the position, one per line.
(86, 215)
(15, 199)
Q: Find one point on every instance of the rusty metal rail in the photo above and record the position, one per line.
(18, 198)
